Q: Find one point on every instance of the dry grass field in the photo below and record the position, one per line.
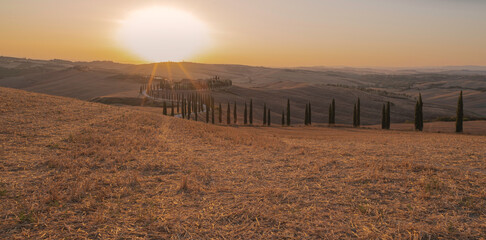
(73, 169)
(470, 127)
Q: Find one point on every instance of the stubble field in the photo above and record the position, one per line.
(73, 169)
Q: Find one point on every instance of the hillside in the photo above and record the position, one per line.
(74, 169)
(439, 87)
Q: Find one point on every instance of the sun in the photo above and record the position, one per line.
(163, 34)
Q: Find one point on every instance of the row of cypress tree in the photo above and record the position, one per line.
(195, 103)
(165, 86)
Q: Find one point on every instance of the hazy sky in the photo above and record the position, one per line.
(268, 33)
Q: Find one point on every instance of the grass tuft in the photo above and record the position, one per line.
(25, 217)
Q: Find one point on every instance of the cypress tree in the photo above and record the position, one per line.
(333, 111)
(190, 105)
(283, 118)
(358, 114)
(417, 116)
(200, 103)
(235, 116)
(288, 112)
(207, 113)
(388, 115)
(251, 111)
(264, 114)
(183, 114)
(269, 120)
(220, 113)
(195, 104)
(306, 115)
(212, 112)
(330, 114)
(383, 117)
(309, 118)
(354, 116)
(165, 108)
(228, 115)
(421, 111)
(245, 116)
(184, 107)
(459, 114)
(172, 109)
(188, 110)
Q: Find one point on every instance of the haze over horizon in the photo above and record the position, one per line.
(271, 33)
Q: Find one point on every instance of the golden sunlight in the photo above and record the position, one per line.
(163, 34)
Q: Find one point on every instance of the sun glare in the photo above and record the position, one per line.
(163, 34)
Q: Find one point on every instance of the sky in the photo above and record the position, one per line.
(277, 33)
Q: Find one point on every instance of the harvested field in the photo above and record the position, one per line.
(74, 169)
(470, 127)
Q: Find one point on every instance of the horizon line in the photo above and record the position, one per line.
(240, 64)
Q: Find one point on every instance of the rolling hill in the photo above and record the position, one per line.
(97, 80)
